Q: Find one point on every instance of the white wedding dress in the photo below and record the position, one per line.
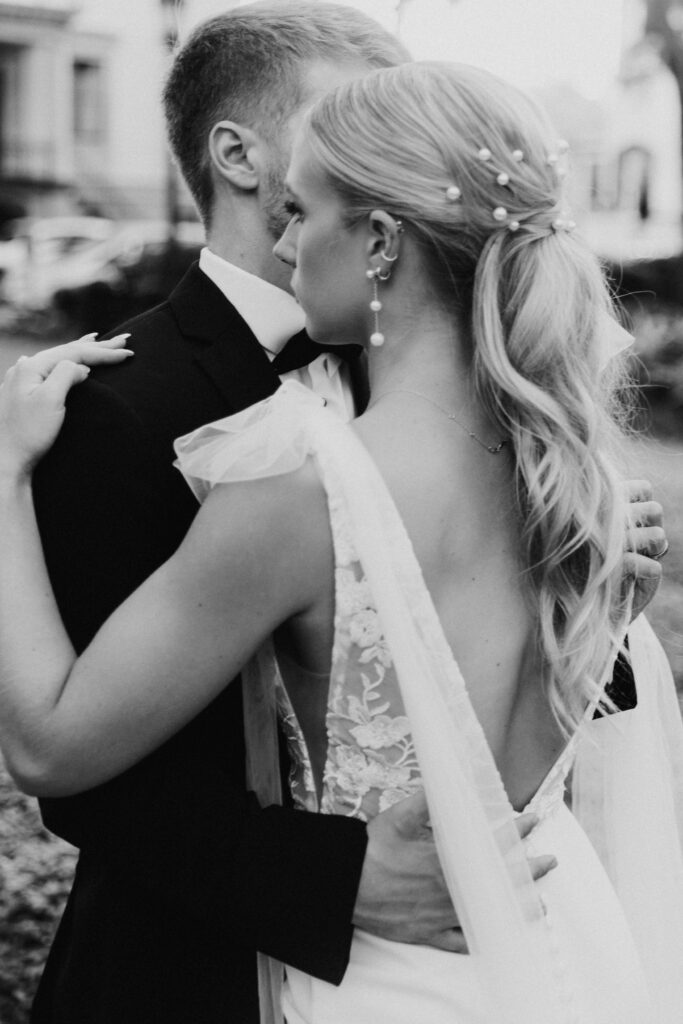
(597, 941)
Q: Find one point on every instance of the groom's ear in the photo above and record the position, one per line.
(234, 151)
(384, 234)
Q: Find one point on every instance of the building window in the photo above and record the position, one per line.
(89, 111)
(635, 165)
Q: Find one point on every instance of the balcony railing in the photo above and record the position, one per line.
(29, 162)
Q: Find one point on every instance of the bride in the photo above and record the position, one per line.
(431, 597)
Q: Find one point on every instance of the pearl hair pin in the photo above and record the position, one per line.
(563, 224)
(453, 193)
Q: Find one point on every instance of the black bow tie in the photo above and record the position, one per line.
(300, 351)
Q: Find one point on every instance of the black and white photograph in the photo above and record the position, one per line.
(341, 512)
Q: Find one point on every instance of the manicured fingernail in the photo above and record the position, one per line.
(89, 337)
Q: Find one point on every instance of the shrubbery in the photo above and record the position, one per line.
(35, 877)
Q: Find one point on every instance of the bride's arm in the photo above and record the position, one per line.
(247, 564)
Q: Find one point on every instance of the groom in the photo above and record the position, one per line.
(182, 876)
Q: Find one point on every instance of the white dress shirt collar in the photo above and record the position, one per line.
(273, 315)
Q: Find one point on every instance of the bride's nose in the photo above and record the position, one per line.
(285, 248)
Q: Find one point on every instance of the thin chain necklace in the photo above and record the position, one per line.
(494, 449)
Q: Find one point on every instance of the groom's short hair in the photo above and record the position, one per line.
(246, 66)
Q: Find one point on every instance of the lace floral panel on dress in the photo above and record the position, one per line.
(371, 762)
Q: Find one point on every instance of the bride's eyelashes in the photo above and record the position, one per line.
(293, 210)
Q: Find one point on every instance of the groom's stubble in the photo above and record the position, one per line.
(316, 81)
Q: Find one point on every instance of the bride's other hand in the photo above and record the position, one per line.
(33, 393)
(647, 544)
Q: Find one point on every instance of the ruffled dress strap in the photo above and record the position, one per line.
(270, 438)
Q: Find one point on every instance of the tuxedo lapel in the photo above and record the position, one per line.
(228, 352)
(223, 344)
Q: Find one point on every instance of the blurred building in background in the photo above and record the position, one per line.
(81, 130)
(627, 172)
(80, 121)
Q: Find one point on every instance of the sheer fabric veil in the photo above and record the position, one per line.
(628, 784)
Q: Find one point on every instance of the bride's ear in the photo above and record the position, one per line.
(384, 240)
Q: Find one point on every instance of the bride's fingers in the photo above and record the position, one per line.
(118, 341)
(60, 381)
(84, 350)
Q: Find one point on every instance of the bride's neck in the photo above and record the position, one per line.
(424, 352)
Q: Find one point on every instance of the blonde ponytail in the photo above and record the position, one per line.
(539, 304)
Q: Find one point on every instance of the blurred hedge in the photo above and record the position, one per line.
(35, 877)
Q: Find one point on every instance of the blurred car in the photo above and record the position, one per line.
(138, 277)
(47, 256)
(40, 254)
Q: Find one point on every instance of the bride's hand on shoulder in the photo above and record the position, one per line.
(33, 393)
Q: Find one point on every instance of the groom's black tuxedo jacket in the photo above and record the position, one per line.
(181, 875)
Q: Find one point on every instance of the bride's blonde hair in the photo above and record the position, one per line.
(443, 146)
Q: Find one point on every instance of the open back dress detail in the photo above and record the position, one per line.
(566, 950)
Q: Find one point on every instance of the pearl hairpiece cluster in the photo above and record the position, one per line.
(500, 213)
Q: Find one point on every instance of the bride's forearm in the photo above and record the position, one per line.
(36, 655)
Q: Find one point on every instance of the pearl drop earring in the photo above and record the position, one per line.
(375, 275)
(376, 338)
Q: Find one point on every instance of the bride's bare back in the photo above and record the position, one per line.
(457, 504)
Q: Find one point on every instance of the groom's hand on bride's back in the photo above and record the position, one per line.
(402, 894)
(647, 543)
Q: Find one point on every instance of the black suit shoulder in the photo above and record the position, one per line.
(176, 841)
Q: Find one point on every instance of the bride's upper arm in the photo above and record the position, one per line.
(257, 554)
